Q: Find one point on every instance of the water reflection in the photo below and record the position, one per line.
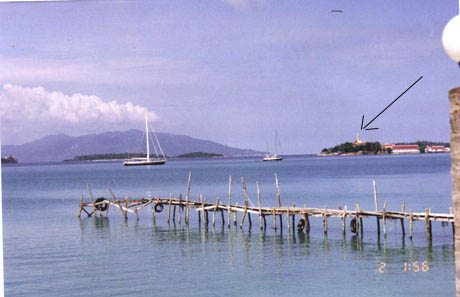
(249, 245)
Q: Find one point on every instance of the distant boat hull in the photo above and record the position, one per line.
(142, 163)
(272, 159)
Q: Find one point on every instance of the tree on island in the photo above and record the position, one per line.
(348, 147)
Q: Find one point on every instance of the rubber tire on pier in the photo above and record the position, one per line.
(101, 207)
(301, 225)
(158, 207)
(353, 226)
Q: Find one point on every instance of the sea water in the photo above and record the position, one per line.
(49, 251)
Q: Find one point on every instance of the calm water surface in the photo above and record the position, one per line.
(50, 252)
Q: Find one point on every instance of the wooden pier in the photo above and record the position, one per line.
(178, 207)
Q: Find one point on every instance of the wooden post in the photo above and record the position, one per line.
(259, 204)
(108, 204)
(357, 220)
(293, 219)
(187, 197)
(154, 213)
(229, 200)
(174, 214)
(81, 206)
(344, 220)
(307, 221)
(205, 213)
(202, 209)
(198, 200)
(180, 208)
(428, 224)
(277, 190)
(92, 200)
(278, 196)
(214, 212)
(325, 219)
(360, 221)
(222, 217)
(169, 206)
(304, 217)
(114, 198)
(384, 220)
(453, 225)
(454, 99)
(137, 215)
(403, 210)
(411, 223)
(124, 212)
(288, 223)
(235, 216)
(274, 219)
(376, 208)
(246, 202)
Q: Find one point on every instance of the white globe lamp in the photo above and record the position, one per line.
(451, 39)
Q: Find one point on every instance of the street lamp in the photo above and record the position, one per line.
(451, 39)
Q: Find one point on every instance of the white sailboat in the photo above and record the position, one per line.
(273, 157)
(147, 160)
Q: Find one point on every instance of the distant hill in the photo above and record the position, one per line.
(59, 147)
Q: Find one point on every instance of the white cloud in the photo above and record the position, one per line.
(24, 109)
(133, 71)
(243, 4)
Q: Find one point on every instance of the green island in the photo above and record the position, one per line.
(354, 149)
(125, 156)
(10, 159)
(199, 155)
(369, 148)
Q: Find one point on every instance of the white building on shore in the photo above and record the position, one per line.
(402, 149)
(437, 149)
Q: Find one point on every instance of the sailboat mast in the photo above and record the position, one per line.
(276, 142)
(147, 137)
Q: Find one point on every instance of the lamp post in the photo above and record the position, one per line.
(451, 43)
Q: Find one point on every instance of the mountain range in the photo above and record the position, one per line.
(55, 148)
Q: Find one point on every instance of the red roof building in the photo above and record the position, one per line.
(402, 148)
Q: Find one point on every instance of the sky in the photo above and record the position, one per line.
(230, 71)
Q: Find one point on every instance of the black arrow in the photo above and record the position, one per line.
(362, 121)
